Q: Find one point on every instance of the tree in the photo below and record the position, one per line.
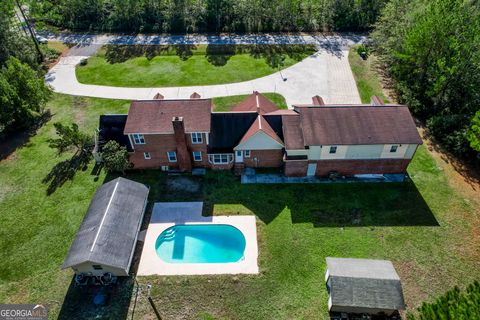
(23, 96)
(473, 133)
(70, 138)
(454, 305)
(430, 50)
(115, 157)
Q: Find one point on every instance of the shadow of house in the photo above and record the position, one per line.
(322, 205)
(78, 302)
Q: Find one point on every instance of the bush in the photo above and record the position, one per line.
(115, 157)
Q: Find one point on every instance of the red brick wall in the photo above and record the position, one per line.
(296, 168)
(265, 159)
(184, 157)
(351, 167)
(158, 146)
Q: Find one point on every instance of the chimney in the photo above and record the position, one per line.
(318, 101)
(158, 96)
(376, 101)
(183, 155)
(195, 96)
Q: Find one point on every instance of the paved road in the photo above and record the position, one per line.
(326, 73)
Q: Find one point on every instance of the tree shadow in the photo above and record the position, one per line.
(78, 302)
(12, 141)
(65, 170)
(121, 53)
(218, 55)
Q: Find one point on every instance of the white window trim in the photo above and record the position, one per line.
(196, 134)
(193, 154)
(147, 157)
(136, 136)
(247, 155)
(211, 158)
(168, 156)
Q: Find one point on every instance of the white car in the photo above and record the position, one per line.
(41, 39)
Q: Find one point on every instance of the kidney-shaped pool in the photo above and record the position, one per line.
(201, 243)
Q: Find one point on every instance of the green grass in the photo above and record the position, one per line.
(226, 103)
(365, 76)
(425, 227)
(151, 66)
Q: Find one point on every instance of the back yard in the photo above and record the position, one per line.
(420, 225)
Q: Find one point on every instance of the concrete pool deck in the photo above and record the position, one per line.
(168, 214)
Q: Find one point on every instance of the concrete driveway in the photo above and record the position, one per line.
(326, 73)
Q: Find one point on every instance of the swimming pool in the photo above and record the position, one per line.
(201, 243)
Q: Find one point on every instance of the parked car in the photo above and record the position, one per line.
(41, 39)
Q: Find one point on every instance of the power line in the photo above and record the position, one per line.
(31, 31)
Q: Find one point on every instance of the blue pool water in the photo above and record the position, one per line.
(201, 243)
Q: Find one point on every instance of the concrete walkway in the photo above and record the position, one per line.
(326, 73)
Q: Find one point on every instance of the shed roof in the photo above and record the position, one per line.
(364, 283)
(108, 231)
(155, 116)
(330, 125)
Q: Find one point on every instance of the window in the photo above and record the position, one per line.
(247, 153)
(146, 156)
(138, 138)
(97, 267)
(172, 156)
(220, 158)
(197, 137)
(197, 156)
(393, 148)
(333, 149)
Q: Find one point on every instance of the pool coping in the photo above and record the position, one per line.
(168, 214)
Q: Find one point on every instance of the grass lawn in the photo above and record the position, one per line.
(365, 76)
(185, 65)
(226, 103)
(425, 227)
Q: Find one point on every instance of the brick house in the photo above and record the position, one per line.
(308, 140)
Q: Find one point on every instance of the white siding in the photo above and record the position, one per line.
(373, 151)
(87, 268)
(259, 141)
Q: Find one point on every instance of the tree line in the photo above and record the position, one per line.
(179, 16)
(430, 49)
(23, 93)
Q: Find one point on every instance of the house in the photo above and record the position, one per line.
(308, 140)
(106, 239)
(363, 286)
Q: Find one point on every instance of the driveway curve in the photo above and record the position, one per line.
(326, 73)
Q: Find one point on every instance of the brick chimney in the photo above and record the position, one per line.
(376, 101)
(317, 101)
(183, 155)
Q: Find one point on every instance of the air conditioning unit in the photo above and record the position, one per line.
(165, 168)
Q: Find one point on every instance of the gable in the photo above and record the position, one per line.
(259, 141)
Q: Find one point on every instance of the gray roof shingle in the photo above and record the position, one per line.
(108, 231)
(365, 283)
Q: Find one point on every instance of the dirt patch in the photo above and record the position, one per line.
(79, 106)
(183, 184)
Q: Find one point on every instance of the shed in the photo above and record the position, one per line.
(108, 234)
(363, 286)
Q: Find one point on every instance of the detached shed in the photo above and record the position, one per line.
(363, 286)
(108, 234)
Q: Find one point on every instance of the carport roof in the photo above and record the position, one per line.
(108, 231)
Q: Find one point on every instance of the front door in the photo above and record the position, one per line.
(312, 168)
(239, 156)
